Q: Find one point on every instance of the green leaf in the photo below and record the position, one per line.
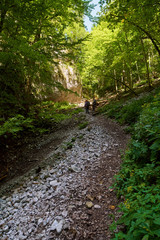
(156, 232)
(156, 145)
(146, 237)
(157, 221)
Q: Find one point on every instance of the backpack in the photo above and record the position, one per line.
(95, 102)
(87, 104)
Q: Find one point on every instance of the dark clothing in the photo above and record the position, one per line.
(94, 104)
(86, 105)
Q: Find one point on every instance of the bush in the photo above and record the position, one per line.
(39, 119)
(139, 178)
(141, 215)
(15, 125)
(128, 112)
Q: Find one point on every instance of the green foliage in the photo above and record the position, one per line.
(123, 49)
(142, 18)
(33, 40)
(141, 216)
(76, 111)
(112, 110)
(40, 119)
(68, 145)
(139, 178)
(128, 112)
(15, 125)
(94, 69)
(83, 125)
(62, 105)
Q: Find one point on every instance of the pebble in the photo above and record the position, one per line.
(54, 225)
(97, 206)
(89, 204)
(54, 183)
(43, 207)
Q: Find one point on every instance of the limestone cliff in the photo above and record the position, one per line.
(68, 76)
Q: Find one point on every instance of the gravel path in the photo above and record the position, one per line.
(70, 198)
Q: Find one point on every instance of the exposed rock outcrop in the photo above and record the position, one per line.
(69, 77)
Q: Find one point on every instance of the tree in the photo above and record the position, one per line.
(116, 58)
(143, 16)
(32, 42)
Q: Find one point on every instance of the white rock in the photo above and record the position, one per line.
(40, 221)
(75, 168)
(54, 183)
(2, 222)
(54, 225)
(5, 228)
(52, 171)
(64, 213)
(116, 145)
(47, 200)
(97, 206)
(21, 236)
(35, 199)
(59, 227)
(91, 149)
(30, 230)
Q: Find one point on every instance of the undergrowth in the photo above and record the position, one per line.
(41, 118)
(126, 112)
(139, 178)
(83, 125)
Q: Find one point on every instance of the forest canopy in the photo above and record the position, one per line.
(124, 48)
(34, 38)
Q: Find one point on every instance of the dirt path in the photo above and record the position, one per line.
(70, 197)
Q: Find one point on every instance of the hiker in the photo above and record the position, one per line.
(86, 106)
(94, 104)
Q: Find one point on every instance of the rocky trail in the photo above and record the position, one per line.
(70, 195)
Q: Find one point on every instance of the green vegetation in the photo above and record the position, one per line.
(83, 125)
(68, 145)
(35, 38)
(120, 54)
(123, 49)
(40, 119)
(127, 112)
(139, 179)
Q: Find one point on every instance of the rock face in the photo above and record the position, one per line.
(57, 203)
(69, 78)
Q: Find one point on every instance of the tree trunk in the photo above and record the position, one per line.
(146, 63)
(131, 78)
(124, 80)
(3, 14)
(115, 81)
(139, 78)
(154, 41)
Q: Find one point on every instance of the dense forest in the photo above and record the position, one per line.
(124, 47)
(119, 57)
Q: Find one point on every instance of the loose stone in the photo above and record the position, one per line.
(43, 206)
(89, 204)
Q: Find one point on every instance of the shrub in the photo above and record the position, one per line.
(39, 119)
(139, 178)
(128, 112)
(15, 125)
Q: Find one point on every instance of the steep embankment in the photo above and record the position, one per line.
(70, 198)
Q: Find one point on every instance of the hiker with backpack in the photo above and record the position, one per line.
(86, 106)
(94, 104)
